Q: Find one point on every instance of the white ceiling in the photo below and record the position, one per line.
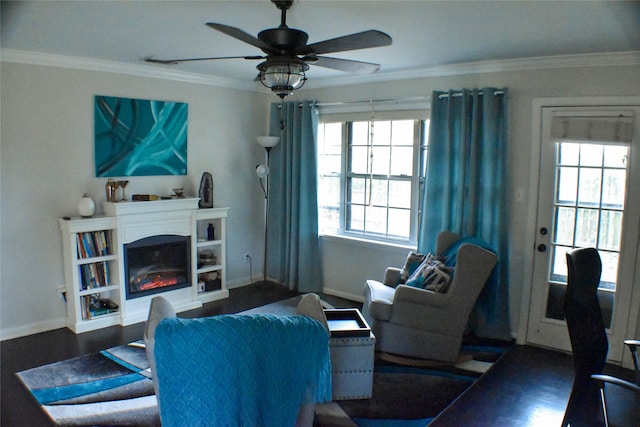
(426, 34)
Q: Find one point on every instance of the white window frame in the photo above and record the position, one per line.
(421, 123)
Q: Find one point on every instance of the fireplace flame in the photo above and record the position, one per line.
(154, 277)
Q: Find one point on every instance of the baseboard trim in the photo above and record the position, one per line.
(342, 294)
(33, 328)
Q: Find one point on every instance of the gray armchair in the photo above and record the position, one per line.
(419, 323)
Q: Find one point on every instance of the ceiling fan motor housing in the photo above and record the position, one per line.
(284, 39)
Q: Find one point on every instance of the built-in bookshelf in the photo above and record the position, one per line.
(209, 249)
(92, 293)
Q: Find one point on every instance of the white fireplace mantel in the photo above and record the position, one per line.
(153, 206)
(137, 220)
(99, 275)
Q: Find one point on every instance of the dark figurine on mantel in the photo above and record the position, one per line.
(206, 191)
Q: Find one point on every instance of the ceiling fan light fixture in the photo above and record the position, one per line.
(283, 77)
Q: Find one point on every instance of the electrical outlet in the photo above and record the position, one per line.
(247, 258)
(63, 292)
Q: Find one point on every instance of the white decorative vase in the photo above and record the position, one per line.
(86, 206)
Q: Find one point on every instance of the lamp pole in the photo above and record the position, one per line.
(266, 218)
(268, 142)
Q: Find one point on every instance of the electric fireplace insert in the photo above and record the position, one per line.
(157, 264)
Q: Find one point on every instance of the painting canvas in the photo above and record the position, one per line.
(138, 137)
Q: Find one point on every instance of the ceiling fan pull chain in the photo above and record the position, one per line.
(371, 135)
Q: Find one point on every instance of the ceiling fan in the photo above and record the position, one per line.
(288, 55)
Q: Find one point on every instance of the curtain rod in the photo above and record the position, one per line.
(375, 101)
(393, 100)
(371, 101)
(456, 93)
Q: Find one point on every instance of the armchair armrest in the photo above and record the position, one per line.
(392, 276)
(409, 294)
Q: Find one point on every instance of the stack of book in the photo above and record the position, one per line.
(93, 244)
(94, 275)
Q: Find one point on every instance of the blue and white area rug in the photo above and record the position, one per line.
(113, 387)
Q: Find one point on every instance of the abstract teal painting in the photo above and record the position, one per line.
(139, 137)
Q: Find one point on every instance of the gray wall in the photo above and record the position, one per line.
(47, 164)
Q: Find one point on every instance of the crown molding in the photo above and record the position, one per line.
(481, 67)
(92, 64)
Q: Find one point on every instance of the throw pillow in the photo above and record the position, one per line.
(432, 275)
(413, 261)
(438, 278)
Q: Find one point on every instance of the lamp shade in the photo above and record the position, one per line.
(268, 141)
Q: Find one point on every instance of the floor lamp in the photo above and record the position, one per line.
(268, 142)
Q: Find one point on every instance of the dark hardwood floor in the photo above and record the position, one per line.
(20, 409)
(528, 387)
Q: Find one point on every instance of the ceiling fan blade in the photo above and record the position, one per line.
(237, 33)
(176, 61)
(347, 65)
(362, 40)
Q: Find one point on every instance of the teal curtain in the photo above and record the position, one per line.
(466, 189)
(293, 256)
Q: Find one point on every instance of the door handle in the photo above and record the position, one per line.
(542, 247)
(544, 231)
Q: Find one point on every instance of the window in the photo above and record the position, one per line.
(370, 176)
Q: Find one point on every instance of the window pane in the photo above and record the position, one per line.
(587, 227)
(381, 133)
(332, 138)
(610, 230)
(400, 194)
(567, 185)
(591, 155)
(329, 220)
(380, 160)
(400, 223)
(614, 183)
(565, 222)
(359, 158)
(355, 218)
(609, 275)
(356, 190)
(360, 133)
(559, 264)
(329, 191)
(615, 156)
(589, 188)
(379, 193)
(376, 220)
(569, 154)
(402, 133)
(402, 161)
(330, 164)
